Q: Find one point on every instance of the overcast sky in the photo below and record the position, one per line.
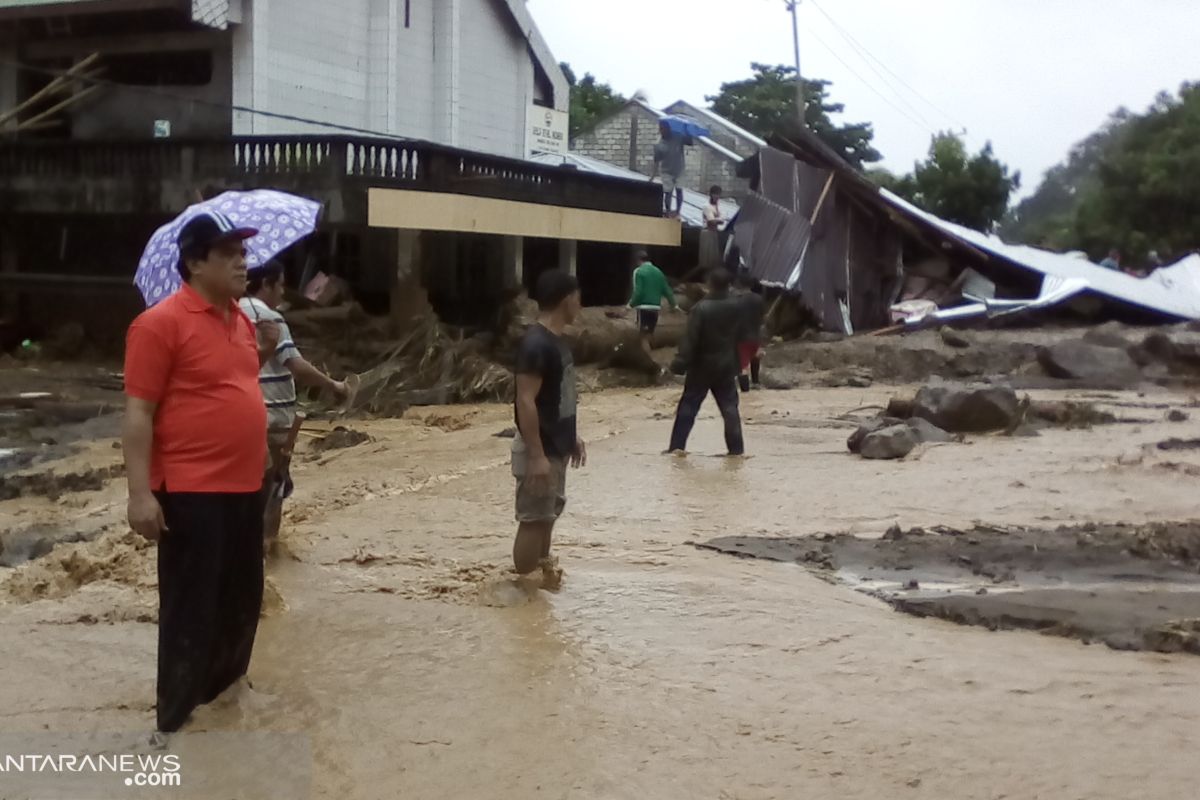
(1032, 76)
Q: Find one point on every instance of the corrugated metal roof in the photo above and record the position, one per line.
(1174, 290)
(773, 241)
(694, 202)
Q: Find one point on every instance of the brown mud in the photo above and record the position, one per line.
(1131, 587)
(396, 639)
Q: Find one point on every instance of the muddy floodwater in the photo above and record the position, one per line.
(395, 639)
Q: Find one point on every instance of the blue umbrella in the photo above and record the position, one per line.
(685, 127)
(281, 219)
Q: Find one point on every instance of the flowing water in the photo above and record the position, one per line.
(420, 669)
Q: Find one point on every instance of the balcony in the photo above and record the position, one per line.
(160, 177)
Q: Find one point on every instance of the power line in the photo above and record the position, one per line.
(907, 115)
(888, 84)
(867, 54)
(146, 90)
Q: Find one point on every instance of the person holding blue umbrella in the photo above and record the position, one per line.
(195, 442)
(670, 162)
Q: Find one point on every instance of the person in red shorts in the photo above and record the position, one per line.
(750, 341)
(195, 435)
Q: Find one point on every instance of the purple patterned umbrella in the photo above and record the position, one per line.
(281, 219)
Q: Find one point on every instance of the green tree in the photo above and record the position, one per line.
(1047, 217)
(1145, 196)
(1129, 186)
(956, 186)
(591, 101)
(765, 104)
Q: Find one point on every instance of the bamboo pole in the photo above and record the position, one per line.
(40, 126)
(50, 89)
(54, 109)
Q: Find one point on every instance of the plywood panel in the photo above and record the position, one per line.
(436, 211)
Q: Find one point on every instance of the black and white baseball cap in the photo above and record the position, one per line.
(210, 228)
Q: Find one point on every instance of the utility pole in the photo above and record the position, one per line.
(801, 104)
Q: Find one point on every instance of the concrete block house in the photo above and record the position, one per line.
(627, 138)
(381, 109)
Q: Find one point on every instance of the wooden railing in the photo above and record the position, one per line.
(322, 163)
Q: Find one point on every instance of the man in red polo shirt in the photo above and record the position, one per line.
(195, 436)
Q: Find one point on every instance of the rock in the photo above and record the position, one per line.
(964, 409)
(856, 439)
(1110, 334)
(1175, 415)
(928, 433)
(953, 338)
(1079, 360)
(773, 380)
(900, 408)
(338, 439)
(896, 441)
(848, 377)
(1174, 352)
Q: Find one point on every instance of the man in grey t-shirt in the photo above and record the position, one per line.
(277, 379)
(669, 161)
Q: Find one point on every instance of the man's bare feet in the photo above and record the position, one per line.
(552, 574)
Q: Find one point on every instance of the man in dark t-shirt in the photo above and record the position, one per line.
(547, 439)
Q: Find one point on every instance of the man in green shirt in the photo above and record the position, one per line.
(650, 286)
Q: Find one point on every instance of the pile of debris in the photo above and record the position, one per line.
(428, 367)
(1110, 356)
(432, 363)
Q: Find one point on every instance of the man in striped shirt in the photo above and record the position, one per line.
(278, 378)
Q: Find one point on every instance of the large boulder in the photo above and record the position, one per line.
(866, 429)
(1178, 349)
(889, 443)
(966, 409)
(1082, 361)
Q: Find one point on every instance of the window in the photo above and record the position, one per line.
(187, 68)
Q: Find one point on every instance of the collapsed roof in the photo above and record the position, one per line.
(788, 208)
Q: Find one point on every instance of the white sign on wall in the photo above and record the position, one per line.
(546, 131)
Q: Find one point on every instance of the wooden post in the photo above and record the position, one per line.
(514, 262)
(568, 256)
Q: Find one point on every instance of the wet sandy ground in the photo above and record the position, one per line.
(660, 670)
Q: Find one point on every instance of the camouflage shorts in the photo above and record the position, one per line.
(539, 503)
